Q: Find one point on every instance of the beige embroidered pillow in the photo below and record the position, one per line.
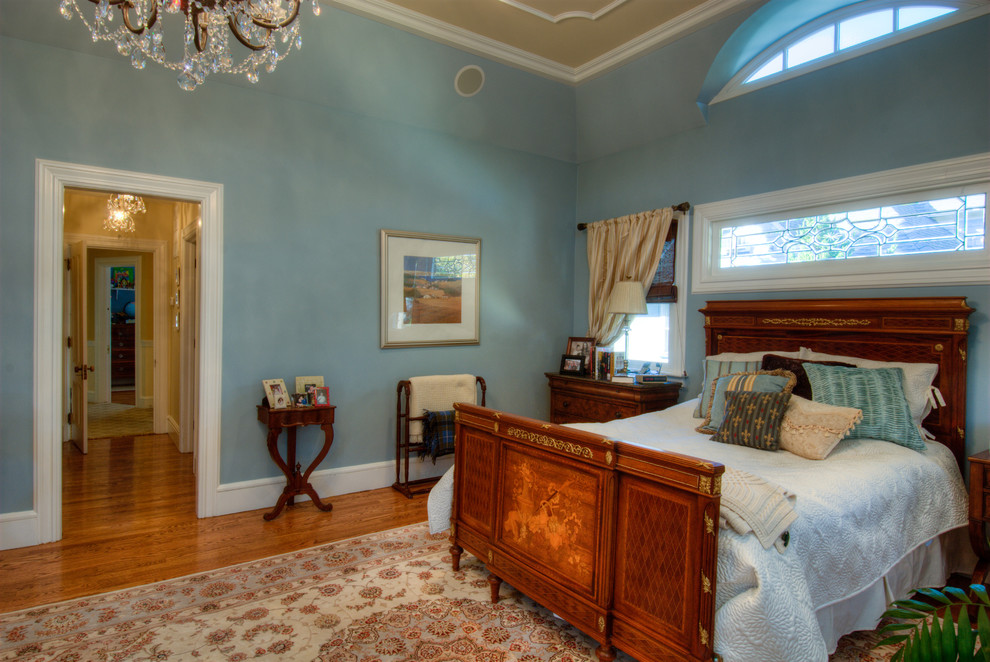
(812, 429)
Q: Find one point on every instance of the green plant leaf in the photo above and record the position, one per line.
(958, 594)
(983, 627)
(966, 640)
(980, 591)
(895, 627)
(948, 649)
(935, 594)
(923, 643)
(904, 613)
(896, 639)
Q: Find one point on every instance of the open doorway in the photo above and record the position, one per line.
(52, 180)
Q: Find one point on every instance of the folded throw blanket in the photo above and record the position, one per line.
(438, 434)
(751, 504)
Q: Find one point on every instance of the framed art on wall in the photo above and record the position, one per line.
(430, 289)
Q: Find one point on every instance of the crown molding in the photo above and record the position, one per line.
(431, 28)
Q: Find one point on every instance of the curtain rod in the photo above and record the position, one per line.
(684, 206)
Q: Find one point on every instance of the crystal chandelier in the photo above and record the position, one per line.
(120, 210)
(138, 29)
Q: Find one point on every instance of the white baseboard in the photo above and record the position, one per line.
(19, 529)
(264, 492)
(172, 430)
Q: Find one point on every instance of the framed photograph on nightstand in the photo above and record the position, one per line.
(582, 347)
(572, 364)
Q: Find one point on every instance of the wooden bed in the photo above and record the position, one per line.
(621, 541)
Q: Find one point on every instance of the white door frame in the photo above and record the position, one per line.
(101, 332)
(51, 179)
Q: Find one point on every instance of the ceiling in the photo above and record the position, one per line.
(567, 40)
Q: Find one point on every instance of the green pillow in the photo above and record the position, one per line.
(753, 419)
(763, 381)
(879, 392)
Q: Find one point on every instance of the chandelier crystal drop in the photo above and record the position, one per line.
(265, 29)
(121, 208)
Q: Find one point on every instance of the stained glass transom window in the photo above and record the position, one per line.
(843, 34)
(941, 225)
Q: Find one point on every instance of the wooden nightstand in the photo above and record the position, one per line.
(979, 512)
(585, 400)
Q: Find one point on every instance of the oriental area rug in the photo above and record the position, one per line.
(385, 597)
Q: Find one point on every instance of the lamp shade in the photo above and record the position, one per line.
(627, 298)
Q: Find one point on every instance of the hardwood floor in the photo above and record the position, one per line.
(129, 518)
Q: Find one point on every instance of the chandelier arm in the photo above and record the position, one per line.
(261, 23)
(244, 40)
(126, 5)
(200, 34)
(112, 3)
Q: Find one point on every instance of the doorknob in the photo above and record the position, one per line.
(84, 369)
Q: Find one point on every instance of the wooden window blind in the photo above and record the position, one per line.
(663, 289)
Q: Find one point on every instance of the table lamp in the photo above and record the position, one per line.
(628, 298)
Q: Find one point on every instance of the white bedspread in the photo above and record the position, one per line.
(860, 512)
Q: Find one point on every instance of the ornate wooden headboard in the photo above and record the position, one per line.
(909, 330)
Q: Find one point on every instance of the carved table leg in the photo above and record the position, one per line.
(496, 584)
(455, 555)
(605, 652)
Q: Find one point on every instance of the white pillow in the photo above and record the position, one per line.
(918, 378)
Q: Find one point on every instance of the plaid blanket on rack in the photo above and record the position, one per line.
(438, 434)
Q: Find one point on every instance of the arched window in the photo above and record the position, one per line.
(844, 34)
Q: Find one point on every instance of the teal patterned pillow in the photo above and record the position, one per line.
(713, 369)
(879, 392)
(753, 419)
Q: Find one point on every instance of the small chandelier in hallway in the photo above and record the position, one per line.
(138, 28)
(121, 208)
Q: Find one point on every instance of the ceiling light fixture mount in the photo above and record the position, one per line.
(138, 29)
(121, 208)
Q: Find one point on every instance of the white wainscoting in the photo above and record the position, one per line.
(264, 492)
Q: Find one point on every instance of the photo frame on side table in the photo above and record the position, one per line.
(301, 400)
(307, 384)
(321, 396)
(572, 364)
(277, 394)
(430, 289)
(583, 347)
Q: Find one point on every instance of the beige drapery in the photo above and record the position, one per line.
(624, 248)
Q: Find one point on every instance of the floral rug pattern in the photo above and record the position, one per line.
(386, 597)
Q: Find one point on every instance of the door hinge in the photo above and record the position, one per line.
(68, 264)
(69, 417)
(68, 341)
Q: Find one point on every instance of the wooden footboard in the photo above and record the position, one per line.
(618, 540)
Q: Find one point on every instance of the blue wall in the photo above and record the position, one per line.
(924, 100)
(362, 130)
(314, 161)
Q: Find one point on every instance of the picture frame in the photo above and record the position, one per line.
(277, 394)
(304, 384)
(321, 396)
(585, 347)
(430, 289)
(571, 364)
(301, 399)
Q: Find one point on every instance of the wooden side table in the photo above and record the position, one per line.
(296, 481)
(585, 400)
(979, 512)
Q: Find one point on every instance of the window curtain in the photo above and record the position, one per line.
(624, 248)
